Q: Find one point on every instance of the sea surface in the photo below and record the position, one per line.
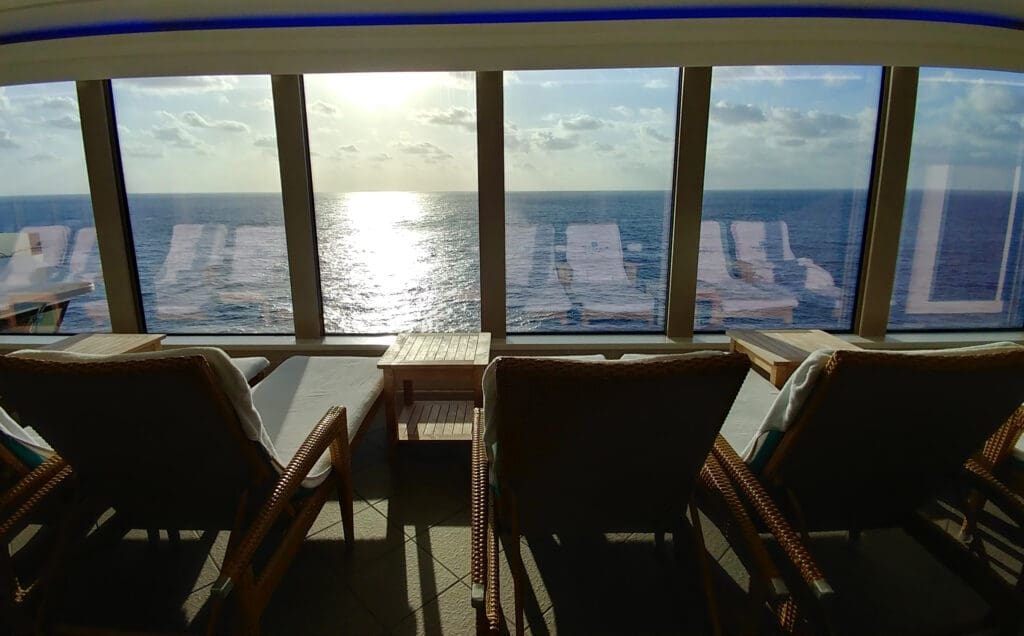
(576, 261)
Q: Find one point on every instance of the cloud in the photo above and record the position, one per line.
(792, 142)
(179, 85)
(603, 147)
(266, 105)
(69, 122)
(548, 141)
(430, 152)
(43, 156)
(514, 140)
(624, 111)
(736, 114)
(811, 124)
(196, 120)
(142, 152)
(265, 141)
(348, 149)
(381, 156)
(6, 141)
(581, 122)
(651, 132)
(320, 107)
(459, 116)
(60, 102)
(655, 84)
(175, 136)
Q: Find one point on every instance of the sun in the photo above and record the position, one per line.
(374, 91)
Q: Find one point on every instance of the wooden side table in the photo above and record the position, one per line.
(109, 343)
(451, 360)
(776, 353)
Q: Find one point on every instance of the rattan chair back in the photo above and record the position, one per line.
(607, 446)
(881, 432)
(156, 439)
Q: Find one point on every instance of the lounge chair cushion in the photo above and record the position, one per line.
(250, 367)
(799, 387)
(293, 398)
(1018, 451)
(492, 409)
(24, 443)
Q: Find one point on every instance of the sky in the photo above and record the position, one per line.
(769, 127)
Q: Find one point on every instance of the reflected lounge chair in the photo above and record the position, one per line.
(534, 289)
(731, 297)
(259, 267)
(37, 256)
(184, 284)
(764, 256)
(597, 271)
(84, 265)
(572, 447)
(860, 440)
(176, 440)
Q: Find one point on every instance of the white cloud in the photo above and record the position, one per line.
(549, 141)
(459, 116)
(265, 141)
(624, 111)
(653, 133)
(655, 84)
(179, 85)
(380, 157)
(581, 122)
(43, 156)
(736, 114)
(69, 122)
(266, 105)
(175, 136)
(6, 141)
(144, 152)
(196, 120)
(320, 107)
(811, 124)
(59, 102)
(514, 140)
(348, 149)
(430, 152)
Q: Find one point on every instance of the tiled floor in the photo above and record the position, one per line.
(409, 571)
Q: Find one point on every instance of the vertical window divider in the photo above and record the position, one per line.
(490, 150)
(299, 210)
(887, 197)
(694, 97)
(110, 206)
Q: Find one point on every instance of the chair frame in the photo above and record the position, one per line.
(240, 594)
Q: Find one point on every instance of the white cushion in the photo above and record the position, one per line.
(1018, 450)
(25, 437)
(798, 388)
(250, 367)
(293, 398)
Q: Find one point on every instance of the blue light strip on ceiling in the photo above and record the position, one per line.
(124, 27)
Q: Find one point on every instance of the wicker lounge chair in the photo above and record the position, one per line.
(860, 440)
(555, 453)
(211, 455)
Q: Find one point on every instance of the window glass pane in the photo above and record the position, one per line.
(960, 259)
(50, 275)
(785, 196)
(394, 174)
(204, 194)
(588, 177)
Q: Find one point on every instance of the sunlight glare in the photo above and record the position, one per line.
(373, 91)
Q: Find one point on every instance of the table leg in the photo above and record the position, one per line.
(478, 387)
(407, 392)
(390, 416)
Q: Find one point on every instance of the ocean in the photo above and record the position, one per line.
(407, 261)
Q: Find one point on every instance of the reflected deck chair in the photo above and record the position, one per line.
(534, 289)
(189, 272)
(259, 270)
(177, 440)
(860, 440)
(598, 278)
(37, 256)
(570, 446)
(764, 256)
(729, 296)
(84, 265)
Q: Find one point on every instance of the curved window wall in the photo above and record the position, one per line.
(960, 259)
(50, 275)
(394, 161)
(789, 157)
(204, 196)
(588, 175)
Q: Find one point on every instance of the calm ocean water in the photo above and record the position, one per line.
(397, 261)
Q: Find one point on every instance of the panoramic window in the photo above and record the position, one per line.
(50, 275)
(394, 175)
(960, 259)
(785, 196)
(204, 195)
(588, 179)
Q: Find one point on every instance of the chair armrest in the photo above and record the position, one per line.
(995, 490)
(789, 540)
(484, 559)
(330, 428)
(564, 271)
(22, 498)
(746, 271)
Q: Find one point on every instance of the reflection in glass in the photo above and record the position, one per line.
(200, 164)
(50, 275)
(394, 173)
(588, 168)
(960, 258)
(788, 166)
